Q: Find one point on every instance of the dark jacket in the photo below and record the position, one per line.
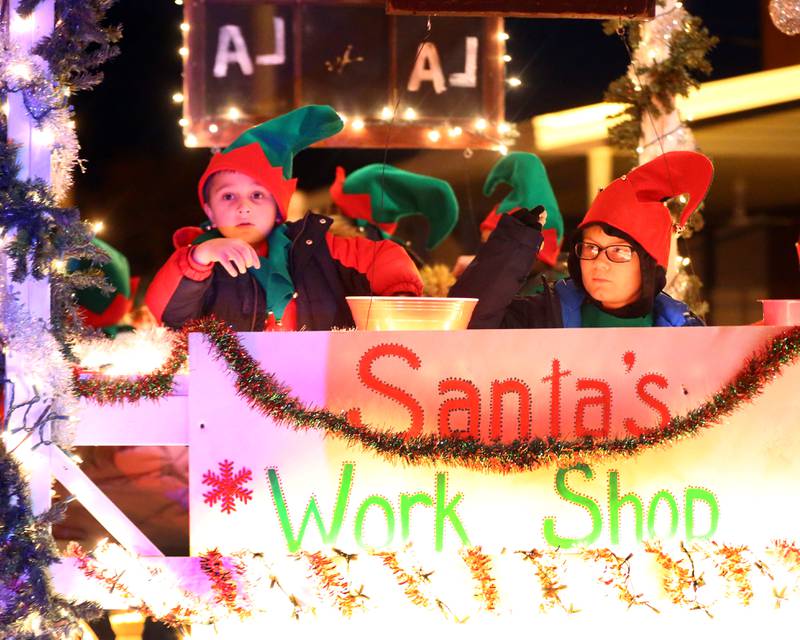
(324, 269)
(499, 271)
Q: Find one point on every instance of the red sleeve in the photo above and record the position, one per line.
(165, 284)
(386, 264)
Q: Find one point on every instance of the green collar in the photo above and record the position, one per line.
(594, 316)
(273, 271)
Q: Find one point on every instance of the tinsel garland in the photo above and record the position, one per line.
(410, 582)
(680, 583)
(159, 594)
(733, 565)
(263, 392)
(617, 574)
(221, 578)
(46, 105)
(480, 565)
(29, 607)
(547, 574)
(333, 583)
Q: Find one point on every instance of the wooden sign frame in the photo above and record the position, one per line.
(591, 9)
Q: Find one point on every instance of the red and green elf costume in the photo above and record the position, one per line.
(305, 273)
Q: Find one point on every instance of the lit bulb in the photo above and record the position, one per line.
(23, 25)
(506, 58)
(481, 124)
(386, 113)
(179, 2)
(190, 140)
(98, 226)
(639, 149)
(213, 128)
(503, 128)
(454, 132)
(177, 97)
(183, 52)
(514, 82)
(66, 91)
(682, 199)
(410, 114)
(686, 261)
(183, 122)
(58, 266)
(19, 70)
(6, 108)
(185, 26)
(43, 137)
(358, 124)
(502, 150)
(434, 135)
(233, 113)
(503, 36)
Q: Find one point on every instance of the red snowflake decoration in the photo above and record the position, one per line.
(227, 486)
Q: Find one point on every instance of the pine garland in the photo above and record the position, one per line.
(29, 608)
(79, 44)
(665, 80)
(263, 392)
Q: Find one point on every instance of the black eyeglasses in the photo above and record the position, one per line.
(614, 252)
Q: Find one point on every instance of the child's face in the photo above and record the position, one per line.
(240, 207)
(614, 284)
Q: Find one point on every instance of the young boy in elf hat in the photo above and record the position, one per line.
(375, 197)
(530, 187)
(617, 262)
(251, 268)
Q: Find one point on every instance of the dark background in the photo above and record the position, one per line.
(140, 179)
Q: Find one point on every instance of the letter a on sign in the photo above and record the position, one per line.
(428, 68)
(231, 49)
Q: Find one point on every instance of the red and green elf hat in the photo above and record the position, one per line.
(636, 202)
(100, 309)
(530, 187)
(265, 152)
(381, 195)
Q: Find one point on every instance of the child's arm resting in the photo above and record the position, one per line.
(385, 264)
(499, 271)
(176, 293)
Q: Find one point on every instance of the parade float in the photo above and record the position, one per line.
(393, 481)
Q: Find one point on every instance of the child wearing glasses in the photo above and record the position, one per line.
(617, 262)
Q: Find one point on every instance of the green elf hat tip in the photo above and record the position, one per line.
(526, 175)
(382, 195)
(266, 151)
(98, 308)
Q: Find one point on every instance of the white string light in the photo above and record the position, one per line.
(514, 82)
(213, 128)
(434, 135)
(481, 124)
(183, 122)
(183, 52)
(358, 124)
(177, 97)
(409, 114)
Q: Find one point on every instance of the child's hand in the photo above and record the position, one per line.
(233, 254)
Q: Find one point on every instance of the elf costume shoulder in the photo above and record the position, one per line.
(304, 273)
(634, 204)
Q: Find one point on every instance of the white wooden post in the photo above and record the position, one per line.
(34, 160)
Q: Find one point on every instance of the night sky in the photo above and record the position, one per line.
(141, 180)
